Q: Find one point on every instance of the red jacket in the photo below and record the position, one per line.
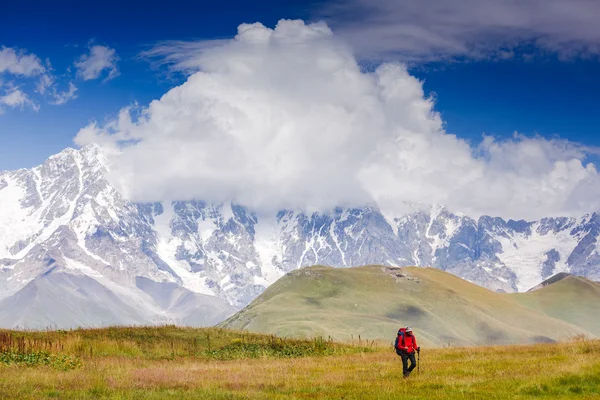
(409, 343)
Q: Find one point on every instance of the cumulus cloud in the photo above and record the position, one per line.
(20, 68)
(16, 98)
(93, 64)
(285, 118)
(19, 62)
(432, 29)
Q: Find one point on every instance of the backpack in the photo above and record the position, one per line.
(399, 343)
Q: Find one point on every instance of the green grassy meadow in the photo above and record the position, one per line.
(184, 363)
(373, 301)
(575, 300)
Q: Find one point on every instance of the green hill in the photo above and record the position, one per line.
(572, 299)
(373, 301)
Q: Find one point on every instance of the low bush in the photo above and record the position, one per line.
(34, 359)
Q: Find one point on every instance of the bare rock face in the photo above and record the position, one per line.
(399, 275)
(64, 217)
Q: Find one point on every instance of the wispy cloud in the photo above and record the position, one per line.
(99, 59)
(429, 30)
(45, 82)
(64, 96)
(179, 55)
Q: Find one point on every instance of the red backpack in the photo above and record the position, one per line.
(399, 339)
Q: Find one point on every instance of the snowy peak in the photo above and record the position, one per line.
(36, 202)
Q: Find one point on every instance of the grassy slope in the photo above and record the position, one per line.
(573, 299)
(570, 370)
(372, 302)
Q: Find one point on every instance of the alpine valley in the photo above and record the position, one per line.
(74, 252)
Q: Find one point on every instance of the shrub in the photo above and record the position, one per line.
(62, 362)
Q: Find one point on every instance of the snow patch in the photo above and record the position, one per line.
(268, 248)
(227, 212)
(166, 250)
(78, 266)
(162, 222)
(206, 228)
(85, 224)
(16, 223)
(526, 255)
(334, 237)
(391, 220)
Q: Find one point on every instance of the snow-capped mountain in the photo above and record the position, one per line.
(73, 251)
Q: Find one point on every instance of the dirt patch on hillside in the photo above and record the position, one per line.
(399, 275)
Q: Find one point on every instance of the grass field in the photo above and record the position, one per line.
(575, 300)
(178, 363)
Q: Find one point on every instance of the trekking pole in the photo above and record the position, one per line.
(419, 362)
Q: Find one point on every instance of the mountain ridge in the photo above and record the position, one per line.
(65, 213)
(550, 281)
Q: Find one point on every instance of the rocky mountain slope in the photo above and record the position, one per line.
(65, 218)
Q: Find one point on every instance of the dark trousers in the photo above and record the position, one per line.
(406, 370)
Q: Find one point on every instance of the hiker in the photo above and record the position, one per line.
(406, 345)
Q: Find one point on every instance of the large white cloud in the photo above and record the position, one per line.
(285, 118)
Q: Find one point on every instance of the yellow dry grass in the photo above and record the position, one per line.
(553, 371)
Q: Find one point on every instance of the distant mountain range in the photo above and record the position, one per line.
(373, 302)
(74, 252)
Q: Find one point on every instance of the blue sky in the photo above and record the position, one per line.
(549, 89)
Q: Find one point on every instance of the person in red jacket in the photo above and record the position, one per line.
(408, 346)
